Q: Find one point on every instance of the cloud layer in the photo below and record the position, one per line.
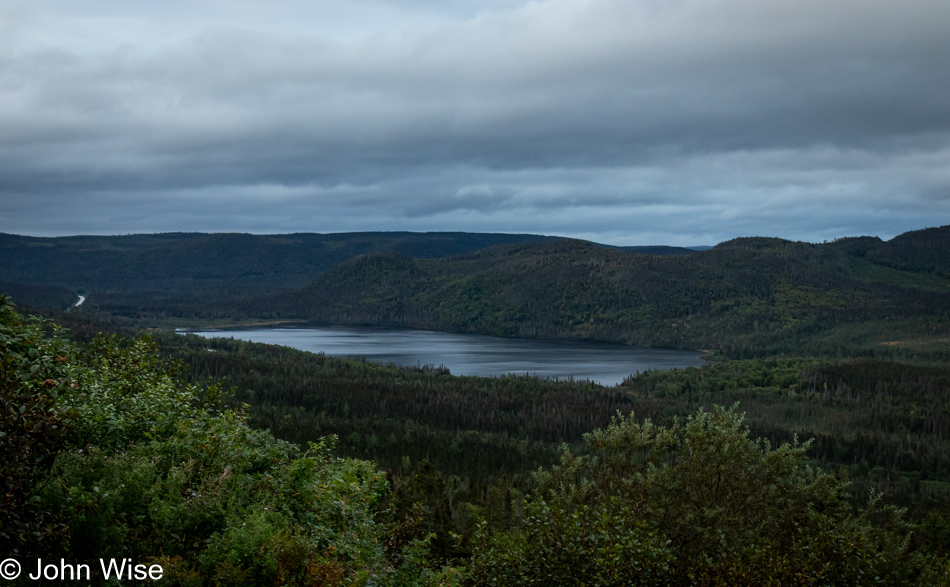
(625, 121)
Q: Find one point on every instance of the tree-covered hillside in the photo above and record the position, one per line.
(185, 262)
(745, 297)
(190, 275)
(919, 250)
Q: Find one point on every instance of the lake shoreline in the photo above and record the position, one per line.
(605, 363)
(268, 324)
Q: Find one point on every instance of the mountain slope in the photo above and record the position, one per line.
(745, 293)
(186, 262)
(926, 250)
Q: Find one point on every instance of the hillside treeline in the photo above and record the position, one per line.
(744, 298)
(231, 266)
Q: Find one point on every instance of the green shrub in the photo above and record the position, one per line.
(34, 372)
(106, 455)
(696, 503)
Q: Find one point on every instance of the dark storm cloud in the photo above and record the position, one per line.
(638, 121)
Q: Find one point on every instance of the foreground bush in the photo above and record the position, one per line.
(698, 503)
(34, 372)
(105, 455)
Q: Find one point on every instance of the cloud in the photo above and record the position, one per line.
(593, 117)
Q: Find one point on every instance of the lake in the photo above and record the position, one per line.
(472, 354)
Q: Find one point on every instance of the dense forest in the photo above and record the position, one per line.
(189, 276)
(182, 269)
(824, 409)
(107, 449)
(879, 424)
(179, 270)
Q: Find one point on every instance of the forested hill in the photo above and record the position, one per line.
(919, 250)
(190, 261)
(46, 271)
(748, 296)
(745, 296)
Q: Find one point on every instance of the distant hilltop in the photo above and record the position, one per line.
(744, 297)
(178, 262)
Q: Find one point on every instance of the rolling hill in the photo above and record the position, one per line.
(749, 295)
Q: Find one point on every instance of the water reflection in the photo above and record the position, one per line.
(471, 354)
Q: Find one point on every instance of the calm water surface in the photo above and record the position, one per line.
(472, 354)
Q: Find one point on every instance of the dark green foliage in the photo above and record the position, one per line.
(658, 250)
(697, 503)
(40, 296)
(856, 246)
(217, 498)
(158, 471)
(33, 428)
(881, 423)
(866, 419)
(920, 250)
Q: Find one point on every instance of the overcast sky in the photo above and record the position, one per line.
(681, 122)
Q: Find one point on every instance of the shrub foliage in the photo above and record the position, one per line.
(698, 502)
